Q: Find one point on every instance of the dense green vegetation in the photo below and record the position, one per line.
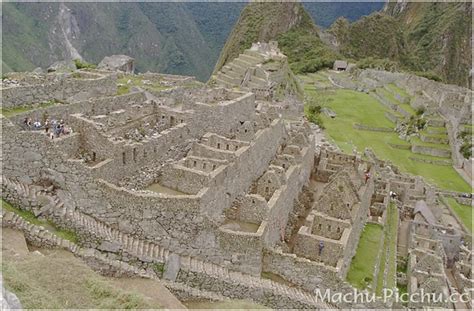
(362, 267)
(306, 52)
(293, 28)
(83, 65)
(313, 113)
(354, 107)
(430, 39)
(378, 36)
(465, 135)
(265, 21)
(185, 38)
(179, 38)
(325, 13)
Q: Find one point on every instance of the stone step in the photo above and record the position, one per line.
(224, 83)
(250, 59)
(233, 69)
(228, 79)
(254, 85)
(258, 80)
(234, 75)
(254, 54)
(237, 68)
(434, 139)
(243, 63)
(139, 247)
(436, 122)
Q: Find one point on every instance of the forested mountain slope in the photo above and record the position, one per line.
(180, 38)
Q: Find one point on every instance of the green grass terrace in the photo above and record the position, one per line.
(464, 212)
(354, 107)
(362, 267)
(387, 273)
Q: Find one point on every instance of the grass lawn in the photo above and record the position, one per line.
(463, 211)
(390, 245)
(362, 265)
(29, 216)
(356, 107)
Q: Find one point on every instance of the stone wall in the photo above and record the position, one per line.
(436, 152)
(362, 127)
(101, 262)
(99, 106)
(451, 100)
(310, 275)
(280, 205)
(64, 89)
(453, 103)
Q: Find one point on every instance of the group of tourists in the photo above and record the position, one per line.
(53, 128)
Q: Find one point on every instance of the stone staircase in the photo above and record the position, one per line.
(42, 237)
(233, 73)
(256, 288)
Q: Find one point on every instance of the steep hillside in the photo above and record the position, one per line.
(433, 39)
(166, 37)
(181, 38)
(325, 13)
(286, 22)
(439, 34)
(377, 35)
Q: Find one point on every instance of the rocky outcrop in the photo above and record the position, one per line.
(118, 63)
(10, 301)
(62, 66)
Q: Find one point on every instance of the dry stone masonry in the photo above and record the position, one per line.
(214, 189)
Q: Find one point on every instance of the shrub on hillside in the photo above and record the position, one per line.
(83, 65)
(313, 113)
(466, 150)
(306, 52)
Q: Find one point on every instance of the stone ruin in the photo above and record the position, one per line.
(264, 71)
(215, 186)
